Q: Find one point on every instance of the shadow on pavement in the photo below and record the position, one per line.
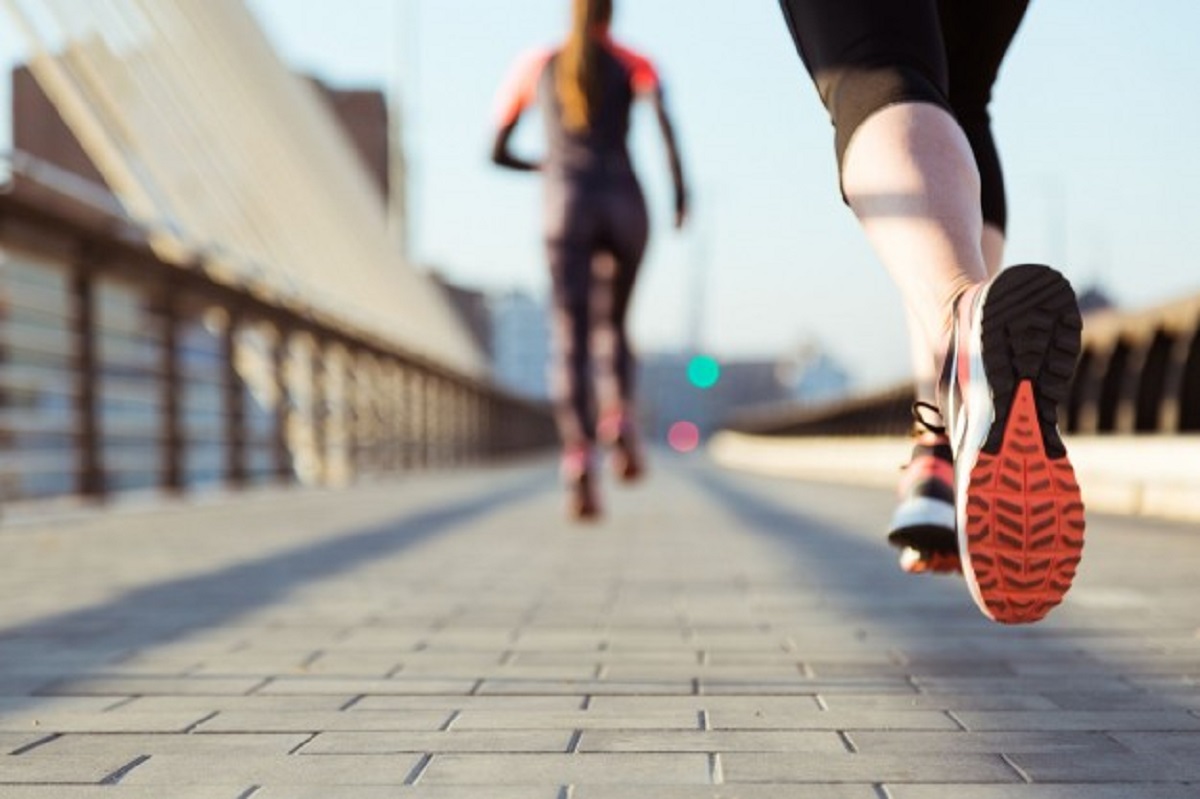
(79, 644)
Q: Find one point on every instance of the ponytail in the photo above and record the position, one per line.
(576, 78)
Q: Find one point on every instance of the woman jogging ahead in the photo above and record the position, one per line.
(595, 229)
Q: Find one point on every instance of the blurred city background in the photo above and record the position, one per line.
(245, 243)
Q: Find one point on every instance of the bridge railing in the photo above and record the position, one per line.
(119, 371)
(1138, 373)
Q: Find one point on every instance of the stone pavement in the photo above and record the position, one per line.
(448, 636)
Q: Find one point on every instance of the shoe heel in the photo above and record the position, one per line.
(1031, 332)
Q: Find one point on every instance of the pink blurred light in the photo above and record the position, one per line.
(683, 437)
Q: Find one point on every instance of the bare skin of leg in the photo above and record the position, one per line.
(926, 357)
(910, 178)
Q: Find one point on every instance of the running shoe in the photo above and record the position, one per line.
(1020, 520)
(922, 526)
(628, 464)
(579, 477)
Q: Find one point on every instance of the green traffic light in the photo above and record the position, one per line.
(704, 371)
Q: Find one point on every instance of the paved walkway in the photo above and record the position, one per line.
(720, 636)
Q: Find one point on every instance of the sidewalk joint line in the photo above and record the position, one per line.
(354, 700)
(847, 742)
(1020, 771)
(418, 770)
(450, 721)
(256, 688)
(303, 743)
(29, 747)
(573, 744)
(119, 774)
(957, 720)
(716, 772)
(122, 702)
(191, 727)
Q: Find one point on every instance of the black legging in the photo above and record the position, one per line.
(867, 54)
(596, 233)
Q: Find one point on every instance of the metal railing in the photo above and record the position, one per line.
(1138, 373)
(121, 371)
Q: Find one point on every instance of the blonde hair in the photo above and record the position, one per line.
(576, 78)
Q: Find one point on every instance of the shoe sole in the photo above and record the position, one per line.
(1024, 525)
(582, 503)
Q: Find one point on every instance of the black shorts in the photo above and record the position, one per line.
(865, 55)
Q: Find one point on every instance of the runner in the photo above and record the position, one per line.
(990, 489)
(595, 227)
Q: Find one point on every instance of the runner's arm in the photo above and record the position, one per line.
(502, 154)
(519, 92)
(673, 159)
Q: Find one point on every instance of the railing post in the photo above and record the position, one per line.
(1171, 413)
(427, 395)
(404, 399)
(395, 420)
(172, 436)
(279, 370)
(89, 477)
(318, 411)
(235, 403)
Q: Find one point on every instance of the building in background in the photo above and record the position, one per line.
(472, 307)
(520, 343)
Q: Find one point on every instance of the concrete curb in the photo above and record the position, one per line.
(1134, 476)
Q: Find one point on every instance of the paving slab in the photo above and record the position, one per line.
(196, 745)
(524, 769)
(742, 791)
(248, 721)
(373, 743)
(716, 637)
(410, 792)
(1059, 791)
(331, 771)
(954, 768)
(94, 769)
(626, 740)
(117, 792)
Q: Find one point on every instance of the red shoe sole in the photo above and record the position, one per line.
(1025, 521)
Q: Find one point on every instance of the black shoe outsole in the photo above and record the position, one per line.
(925, 538)
(1031, 331)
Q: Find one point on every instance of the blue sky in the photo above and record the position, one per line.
(1096, 114)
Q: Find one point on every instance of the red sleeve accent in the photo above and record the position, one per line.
(520, 89)
(642, 73)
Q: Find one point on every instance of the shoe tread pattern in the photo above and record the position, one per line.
(1025, 521)
(1031, 331)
